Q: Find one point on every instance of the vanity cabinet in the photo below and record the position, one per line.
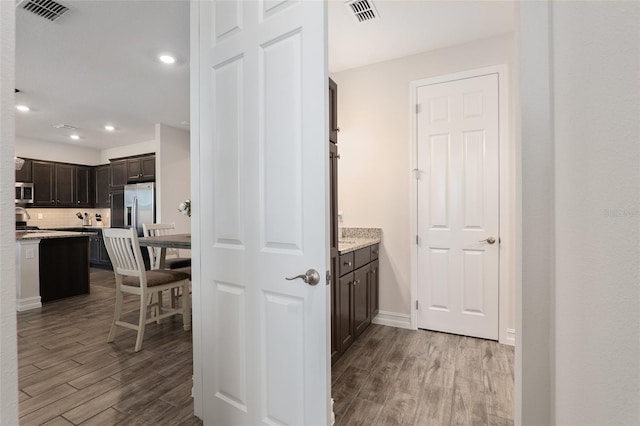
(356, 293)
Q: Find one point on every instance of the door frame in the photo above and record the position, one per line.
(507, 208)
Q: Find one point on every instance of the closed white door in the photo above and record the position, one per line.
(263, 161)
(458, 206)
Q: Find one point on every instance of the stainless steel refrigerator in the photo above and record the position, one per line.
(139, 205)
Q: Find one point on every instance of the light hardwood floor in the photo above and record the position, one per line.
(69, 375)
(392, 376)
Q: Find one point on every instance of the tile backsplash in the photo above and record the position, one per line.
(52, 218)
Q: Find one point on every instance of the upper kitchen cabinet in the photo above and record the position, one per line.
(53, 184)
(119, 173)
(24, 174)
(101, 186)
(141, 169)
(43, 184)
(65, 185)
(84, 187)
(333, 112)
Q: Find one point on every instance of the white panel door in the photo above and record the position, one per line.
(458, 206)
(263, 160)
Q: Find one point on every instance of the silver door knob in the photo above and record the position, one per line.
(489, 240)
(311, 277)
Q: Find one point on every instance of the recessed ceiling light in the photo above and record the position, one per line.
(75, 137)
(167, 59)
(23, 108)
(109, 128)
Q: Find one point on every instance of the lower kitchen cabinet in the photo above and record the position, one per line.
(356, 297)
(64, 267)
(99, 257)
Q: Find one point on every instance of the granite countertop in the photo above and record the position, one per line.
(43, 234)
(353, 239)
(64, 228)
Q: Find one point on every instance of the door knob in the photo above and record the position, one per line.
(489, 240)
(311, 277)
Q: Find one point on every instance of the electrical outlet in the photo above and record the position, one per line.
(40, 216)
(29, 253)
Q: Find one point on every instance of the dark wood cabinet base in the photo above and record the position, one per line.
(64, 267)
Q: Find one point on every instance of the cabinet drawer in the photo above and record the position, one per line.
(346, 263)
(375, 251)
(362, 257)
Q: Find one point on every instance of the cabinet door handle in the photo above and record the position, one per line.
(356, 282)
(347, 263)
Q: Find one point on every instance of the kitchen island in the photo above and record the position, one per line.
(50, 265)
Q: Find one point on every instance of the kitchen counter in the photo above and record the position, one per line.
(356, 238)
(44, 234)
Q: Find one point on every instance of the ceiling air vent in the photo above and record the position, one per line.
(47, 9)
(362, 10)
(65, 127)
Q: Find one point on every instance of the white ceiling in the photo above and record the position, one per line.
(410, 27)
(98, 63)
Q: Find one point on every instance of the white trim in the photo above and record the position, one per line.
(393, 319)
(511, 337)
(196, 274)
(29, 303)
(507, 190)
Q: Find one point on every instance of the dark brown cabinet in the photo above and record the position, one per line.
(53, 184)
(64, 267)
(141, 169)
(101, 181)
(356, 296)
(43, 184)
(84, 187)
(361, 302)
(24, 174)
(333, 112)
(334, 253)
(98, 251)
(118, 173)
(375, 287)
(117, 207)
(345, 313)
(65, 185)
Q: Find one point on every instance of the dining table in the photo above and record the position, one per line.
(178, 241)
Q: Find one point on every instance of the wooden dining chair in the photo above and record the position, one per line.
(124, 251)
(172, 256)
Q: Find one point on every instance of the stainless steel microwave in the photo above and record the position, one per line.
(24, 193)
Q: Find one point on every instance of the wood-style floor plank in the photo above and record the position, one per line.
(423, 378)
(69, 374)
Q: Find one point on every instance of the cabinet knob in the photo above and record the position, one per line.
(78, 201)
(53, 201)
(356, 282)
(347, 263)
(338, 156)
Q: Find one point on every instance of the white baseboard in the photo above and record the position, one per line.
(29, 303)
(509, 337)
(393, 319)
